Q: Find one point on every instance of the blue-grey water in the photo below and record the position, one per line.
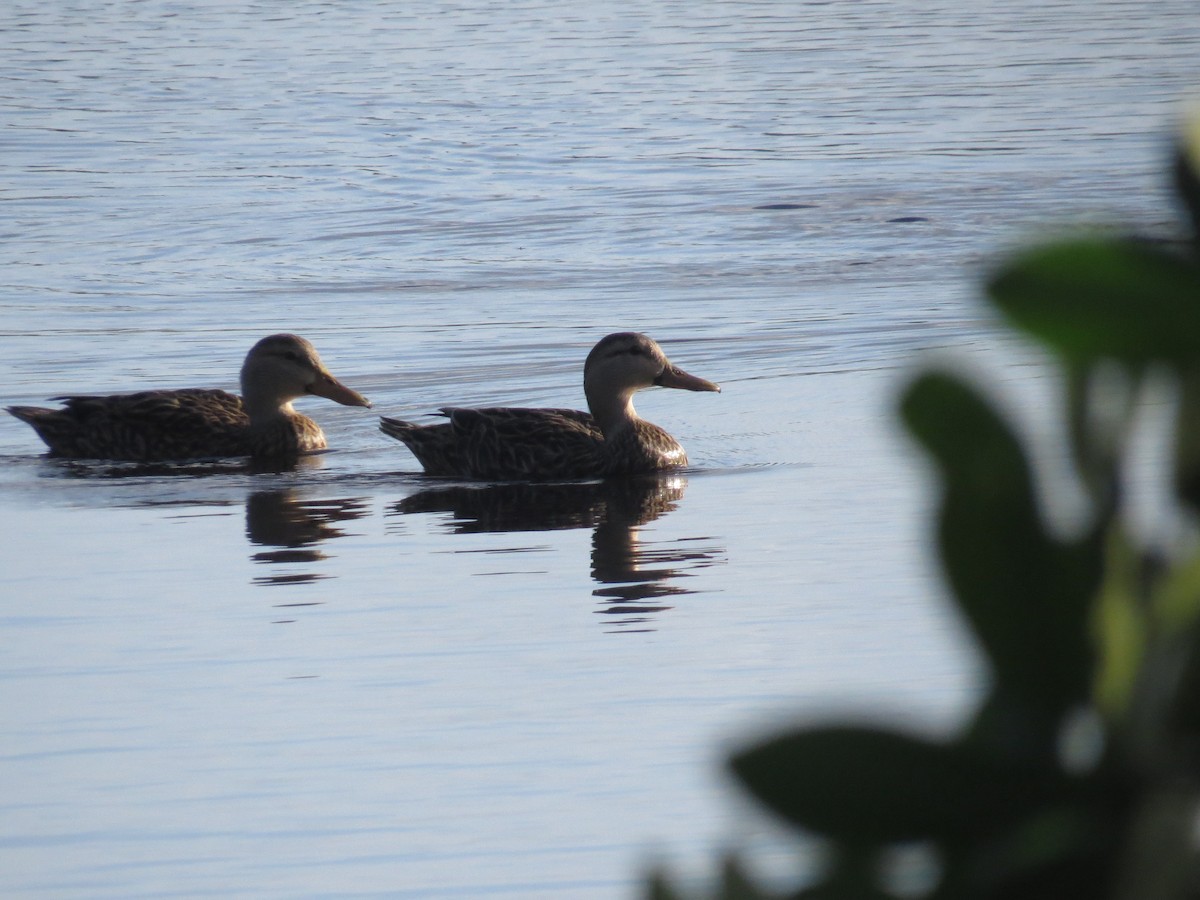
(349, 681)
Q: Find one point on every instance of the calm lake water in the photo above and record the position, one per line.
(349, 680)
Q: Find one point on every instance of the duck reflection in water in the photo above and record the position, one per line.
(281, 519)
(635, 579)
(116, 469)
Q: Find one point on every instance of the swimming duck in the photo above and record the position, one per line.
(194, 423)
(537, 444)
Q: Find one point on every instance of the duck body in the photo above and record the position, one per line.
(510, 443)
(193, 423)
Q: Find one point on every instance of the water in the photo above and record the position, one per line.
(348, 680)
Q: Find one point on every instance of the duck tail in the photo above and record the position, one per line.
(397, 428)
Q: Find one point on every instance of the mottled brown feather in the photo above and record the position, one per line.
(191, 423)
(504, 443)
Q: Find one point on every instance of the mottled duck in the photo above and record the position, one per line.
(194, 423)
(505, 444)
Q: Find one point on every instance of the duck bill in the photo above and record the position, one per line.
(674, 377)
(330, 388)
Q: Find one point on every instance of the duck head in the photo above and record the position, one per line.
(622, 364)
(283, 367)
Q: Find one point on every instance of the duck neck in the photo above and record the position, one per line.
(265, 407)
(612, 412)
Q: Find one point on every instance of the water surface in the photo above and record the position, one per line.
(349, 680)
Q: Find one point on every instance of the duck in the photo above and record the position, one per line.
(197, 423)
(611, 439)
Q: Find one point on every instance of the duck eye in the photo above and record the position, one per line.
(635, 350)
(292, 355)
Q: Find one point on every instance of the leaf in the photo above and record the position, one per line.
(1187, 185)
(1104, 298)
(1027, 595)
(1158, 862)
(1120, 626)
(735, 884)
(1064, 850)
(658, 887)
(865, 786)
(1100, 403)
(1187, 439)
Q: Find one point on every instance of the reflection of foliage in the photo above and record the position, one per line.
(1080, 774)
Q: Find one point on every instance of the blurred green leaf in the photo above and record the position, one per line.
(865, 786)
(1177, 599)
(1115, 298)
(1059, 851)
(843, 890)
(1187, 439)
(1027, 595)
(1100, 403)
(658, 887)
(1120, 627)
(1187, 185)
(735, 884)
(1159, 855)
